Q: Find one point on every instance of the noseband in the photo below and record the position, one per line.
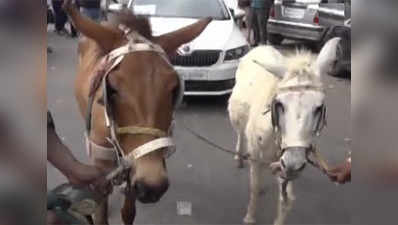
(136, 43)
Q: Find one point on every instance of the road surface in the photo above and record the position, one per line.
(201, 176)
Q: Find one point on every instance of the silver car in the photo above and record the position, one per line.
(295, 19)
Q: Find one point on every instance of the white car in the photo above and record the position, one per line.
(207, 64)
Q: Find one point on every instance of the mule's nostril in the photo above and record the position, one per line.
(150, 193)
(302, 167)
(140, 190)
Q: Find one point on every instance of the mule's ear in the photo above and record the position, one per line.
(277, 70)
(171, 41)
(327, 56)
(105, 37)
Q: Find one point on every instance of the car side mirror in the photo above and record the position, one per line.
(238, 14)
(232, 12)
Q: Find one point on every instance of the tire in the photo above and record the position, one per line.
(342, 52)
(275, 39)
(315, 47)
(337, 70)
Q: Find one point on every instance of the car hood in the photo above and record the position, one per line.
(218, 35)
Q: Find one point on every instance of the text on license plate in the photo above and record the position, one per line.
(194, 75)
(293, 13)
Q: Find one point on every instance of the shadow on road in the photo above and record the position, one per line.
(205, 103)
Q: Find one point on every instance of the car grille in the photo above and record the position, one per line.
(220, 85)
(197, 58)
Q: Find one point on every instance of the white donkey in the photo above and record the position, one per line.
(277, 108)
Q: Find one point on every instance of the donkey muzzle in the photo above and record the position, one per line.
(293, 161)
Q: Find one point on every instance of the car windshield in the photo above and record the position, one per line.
(303, 1)
(182, 8)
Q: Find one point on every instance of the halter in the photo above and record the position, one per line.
(136, 43)
(274, 115)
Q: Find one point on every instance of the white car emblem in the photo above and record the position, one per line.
(184, 50)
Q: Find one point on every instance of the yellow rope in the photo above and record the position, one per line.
(322, 163)
(141, 130)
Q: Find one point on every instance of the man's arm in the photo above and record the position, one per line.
(61, 157)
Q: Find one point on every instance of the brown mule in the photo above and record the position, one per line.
(141, 88)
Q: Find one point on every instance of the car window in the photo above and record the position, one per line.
(308, 1)
(178, 8)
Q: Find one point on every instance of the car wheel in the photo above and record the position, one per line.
(337, 69)
(343, 48)
(275, 39)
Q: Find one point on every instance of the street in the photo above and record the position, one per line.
(200, 175)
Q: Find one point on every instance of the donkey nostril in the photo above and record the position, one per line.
(140, 189)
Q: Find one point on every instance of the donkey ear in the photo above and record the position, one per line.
(171, 41)
(327, 56)
(277, 70)
(105, 37)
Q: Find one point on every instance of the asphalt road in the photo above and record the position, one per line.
(199, 174)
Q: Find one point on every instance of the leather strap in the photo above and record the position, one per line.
(142, 130)
(103, 153)
(95, 151)
(151, 147)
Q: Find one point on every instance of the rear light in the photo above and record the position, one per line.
(316, 18)
(272, 12)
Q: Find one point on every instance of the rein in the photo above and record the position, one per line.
(125, 162)
(317, 162)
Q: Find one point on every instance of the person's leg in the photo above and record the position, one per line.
(261, 20)
(73, 30)
(60, 16)
(249, 22)
(56, 8)
(267, 10)
(255, 27)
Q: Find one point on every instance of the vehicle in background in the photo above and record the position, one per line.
(335, 17)
(207, 64)
(295, 19)
(238, 13)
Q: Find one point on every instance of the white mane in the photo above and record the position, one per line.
(300, 69)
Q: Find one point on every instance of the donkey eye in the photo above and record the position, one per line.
(318, 109)
(279, 107)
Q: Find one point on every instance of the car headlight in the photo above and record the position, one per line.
(236, 53)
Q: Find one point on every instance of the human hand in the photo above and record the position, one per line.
(86, 175)
(340, 174)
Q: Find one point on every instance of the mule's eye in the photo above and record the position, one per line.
(318, 109)
(279, 107)
(111, 91)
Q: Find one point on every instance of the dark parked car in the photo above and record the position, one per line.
(335, 17)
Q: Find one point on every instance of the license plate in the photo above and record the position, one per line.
(293, 13)
(187, 75)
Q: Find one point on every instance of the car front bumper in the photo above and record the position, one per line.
(295, 30)
(215, 80)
